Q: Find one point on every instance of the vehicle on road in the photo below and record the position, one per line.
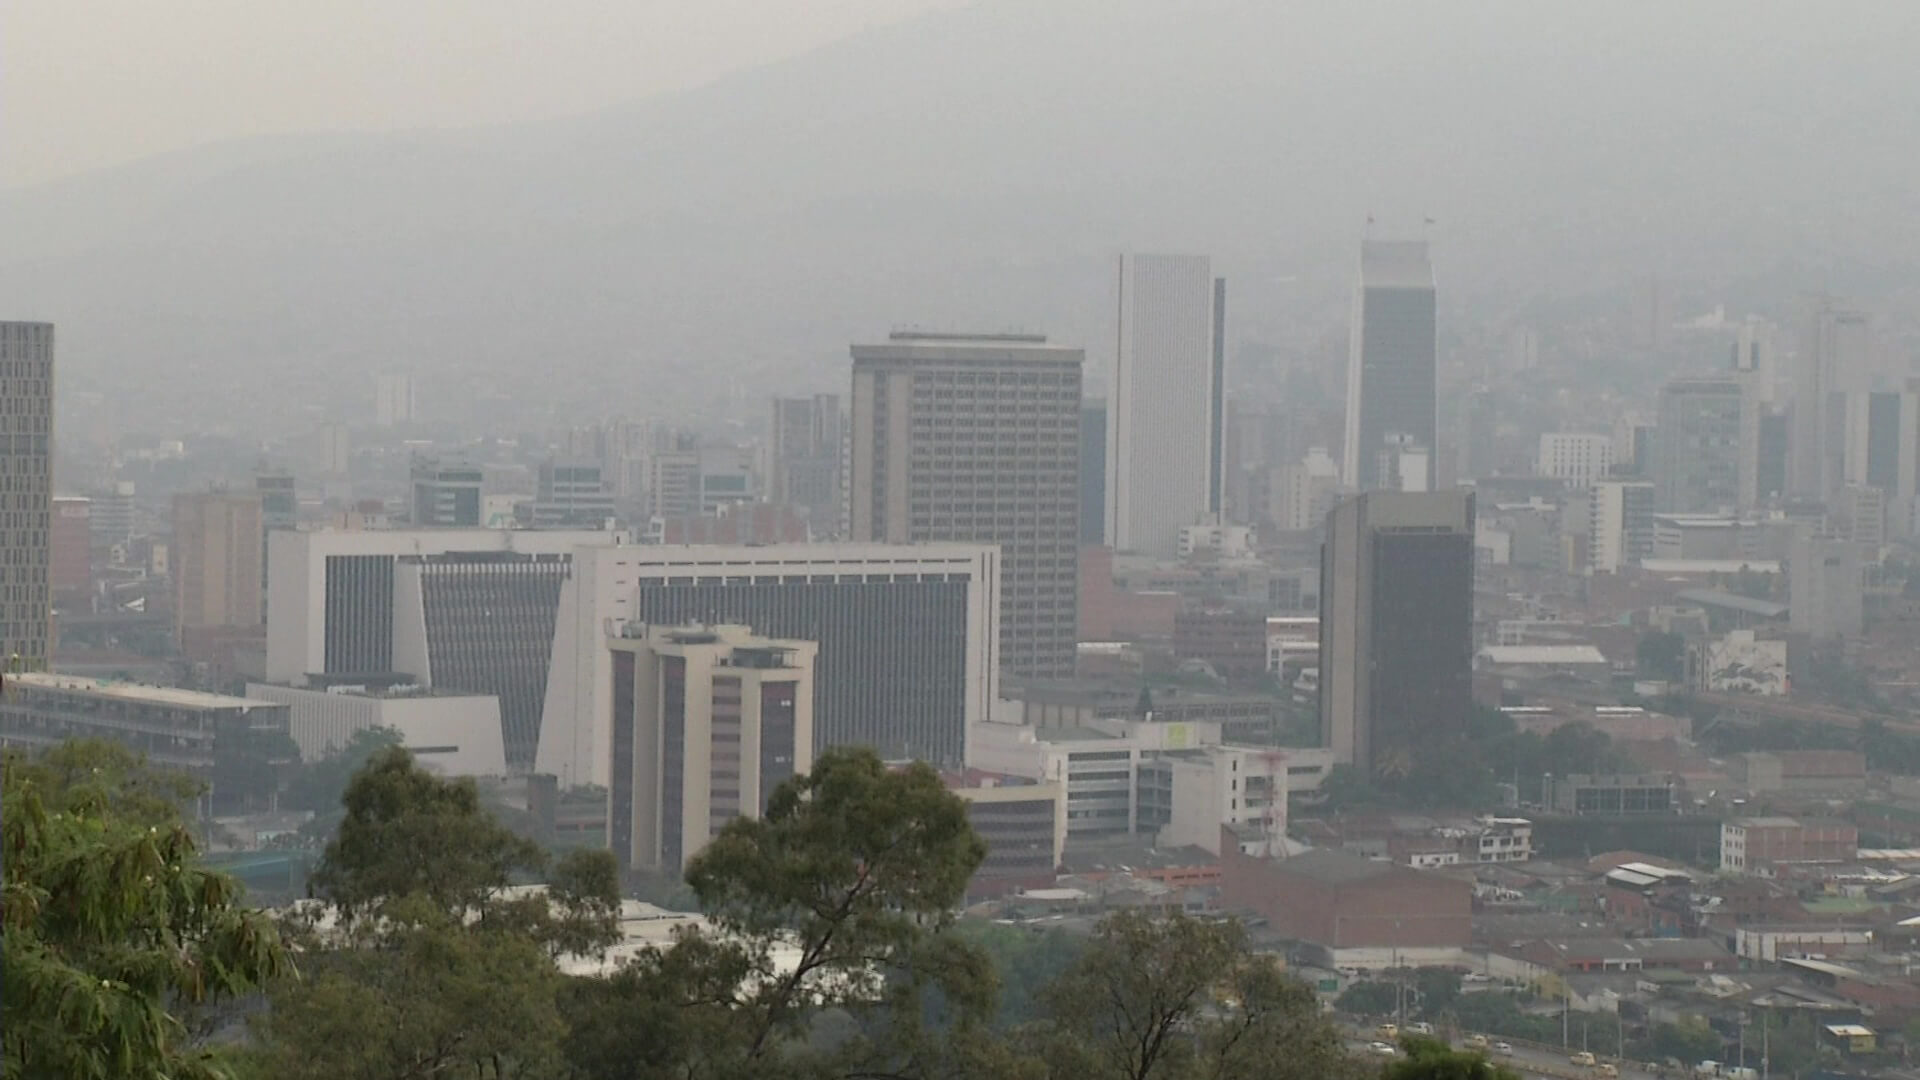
(1476, 1042)
(1504, 1049)
(1607, 1068)
(1581, 1057)
(1388, 1031)
(1475, 977)
(1420, 1027)
(1382, 1049)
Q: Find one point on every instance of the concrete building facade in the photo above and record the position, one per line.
(976, 439)
(1620, 525)
(1575, 457)
(1707, 430)
(706, 722)
(26, 494)
(451, 734)
(1165, 424)
(216, 560)
(907, 636)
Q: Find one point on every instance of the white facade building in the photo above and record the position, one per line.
(907, 634)
(1741, 663)
(1164, 426)
(452, 734)
(1620, 525)
(1228, 541)
(1300, 494)
(1576, 457)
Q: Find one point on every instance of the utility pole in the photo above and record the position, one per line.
(1766, 1060)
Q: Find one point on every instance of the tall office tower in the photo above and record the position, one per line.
(1093, 471)
(26, 494)
(111, 519)
(1706, 435)
(392, 400)
(707, 722)
(908, 635)
(1836, 357)
(1825, 587)
(446, 492)
(1391, 359)
(802, 466)
(468, 610)
(1579, 459)
(218, 539)
(1619, 524)
(977, 439)
(571, 495)
(1478, 423)
(1164, 422)
(1396, 626)
(71, 560)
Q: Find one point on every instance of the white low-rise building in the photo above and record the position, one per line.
(452, 734)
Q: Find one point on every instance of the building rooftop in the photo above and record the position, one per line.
(156, 695)
(1720, 598)
(1503, 655)
(1709, 566)
(1332, 867)
(1395, 264)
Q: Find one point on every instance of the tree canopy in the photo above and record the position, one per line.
(111, 929)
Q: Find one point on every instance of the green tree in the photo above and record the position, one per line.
(835, 904)
(1689, 1041)
(111, 929)
(1369, 998)
(319, 785)
(1026, 960)
(1170, 996)
(1437, 989)
(423, 960)
(1431, 1059)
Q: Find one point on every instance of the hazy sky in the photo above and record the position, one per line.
(86, 83)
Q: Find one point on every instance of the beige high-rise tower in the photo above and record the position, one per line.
(216, 560)
(26, 495)
(977, 438)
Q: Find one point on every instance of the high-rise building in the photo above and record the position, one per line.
(1575, 457)
(1836, 357)
(1396, 626)
(977, 440)
(1825, 587)
(1093, 471)
(468, 610)
(571, 495)
(1166, 417)
(1620, 525)
(71, 562)
(707, 721)
(26, 494)
(111, 518)
(907, 634)
(1392, 353)
(216, 559)
(1708, 432)
(1303, 492)
(392, 399)
(446, 492)
(802, 466)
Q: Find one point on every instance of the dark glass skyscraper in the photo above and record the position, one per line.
(1390, 361)
(1396, 626)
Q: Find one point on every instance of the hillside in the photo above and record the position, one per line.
(977, 167)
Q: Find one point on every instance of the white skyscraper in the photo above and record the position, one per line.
(1390, 364)
(1833, 369)
(1165, 417)
(1576, 457)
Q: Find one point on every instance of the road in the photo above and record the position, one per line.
(1527, 1060)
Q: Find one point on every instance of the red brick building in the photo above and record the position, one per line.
(1752, 844)
(1342, 901)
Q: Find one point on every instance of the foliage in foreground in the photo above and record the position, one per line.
(111, 931)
